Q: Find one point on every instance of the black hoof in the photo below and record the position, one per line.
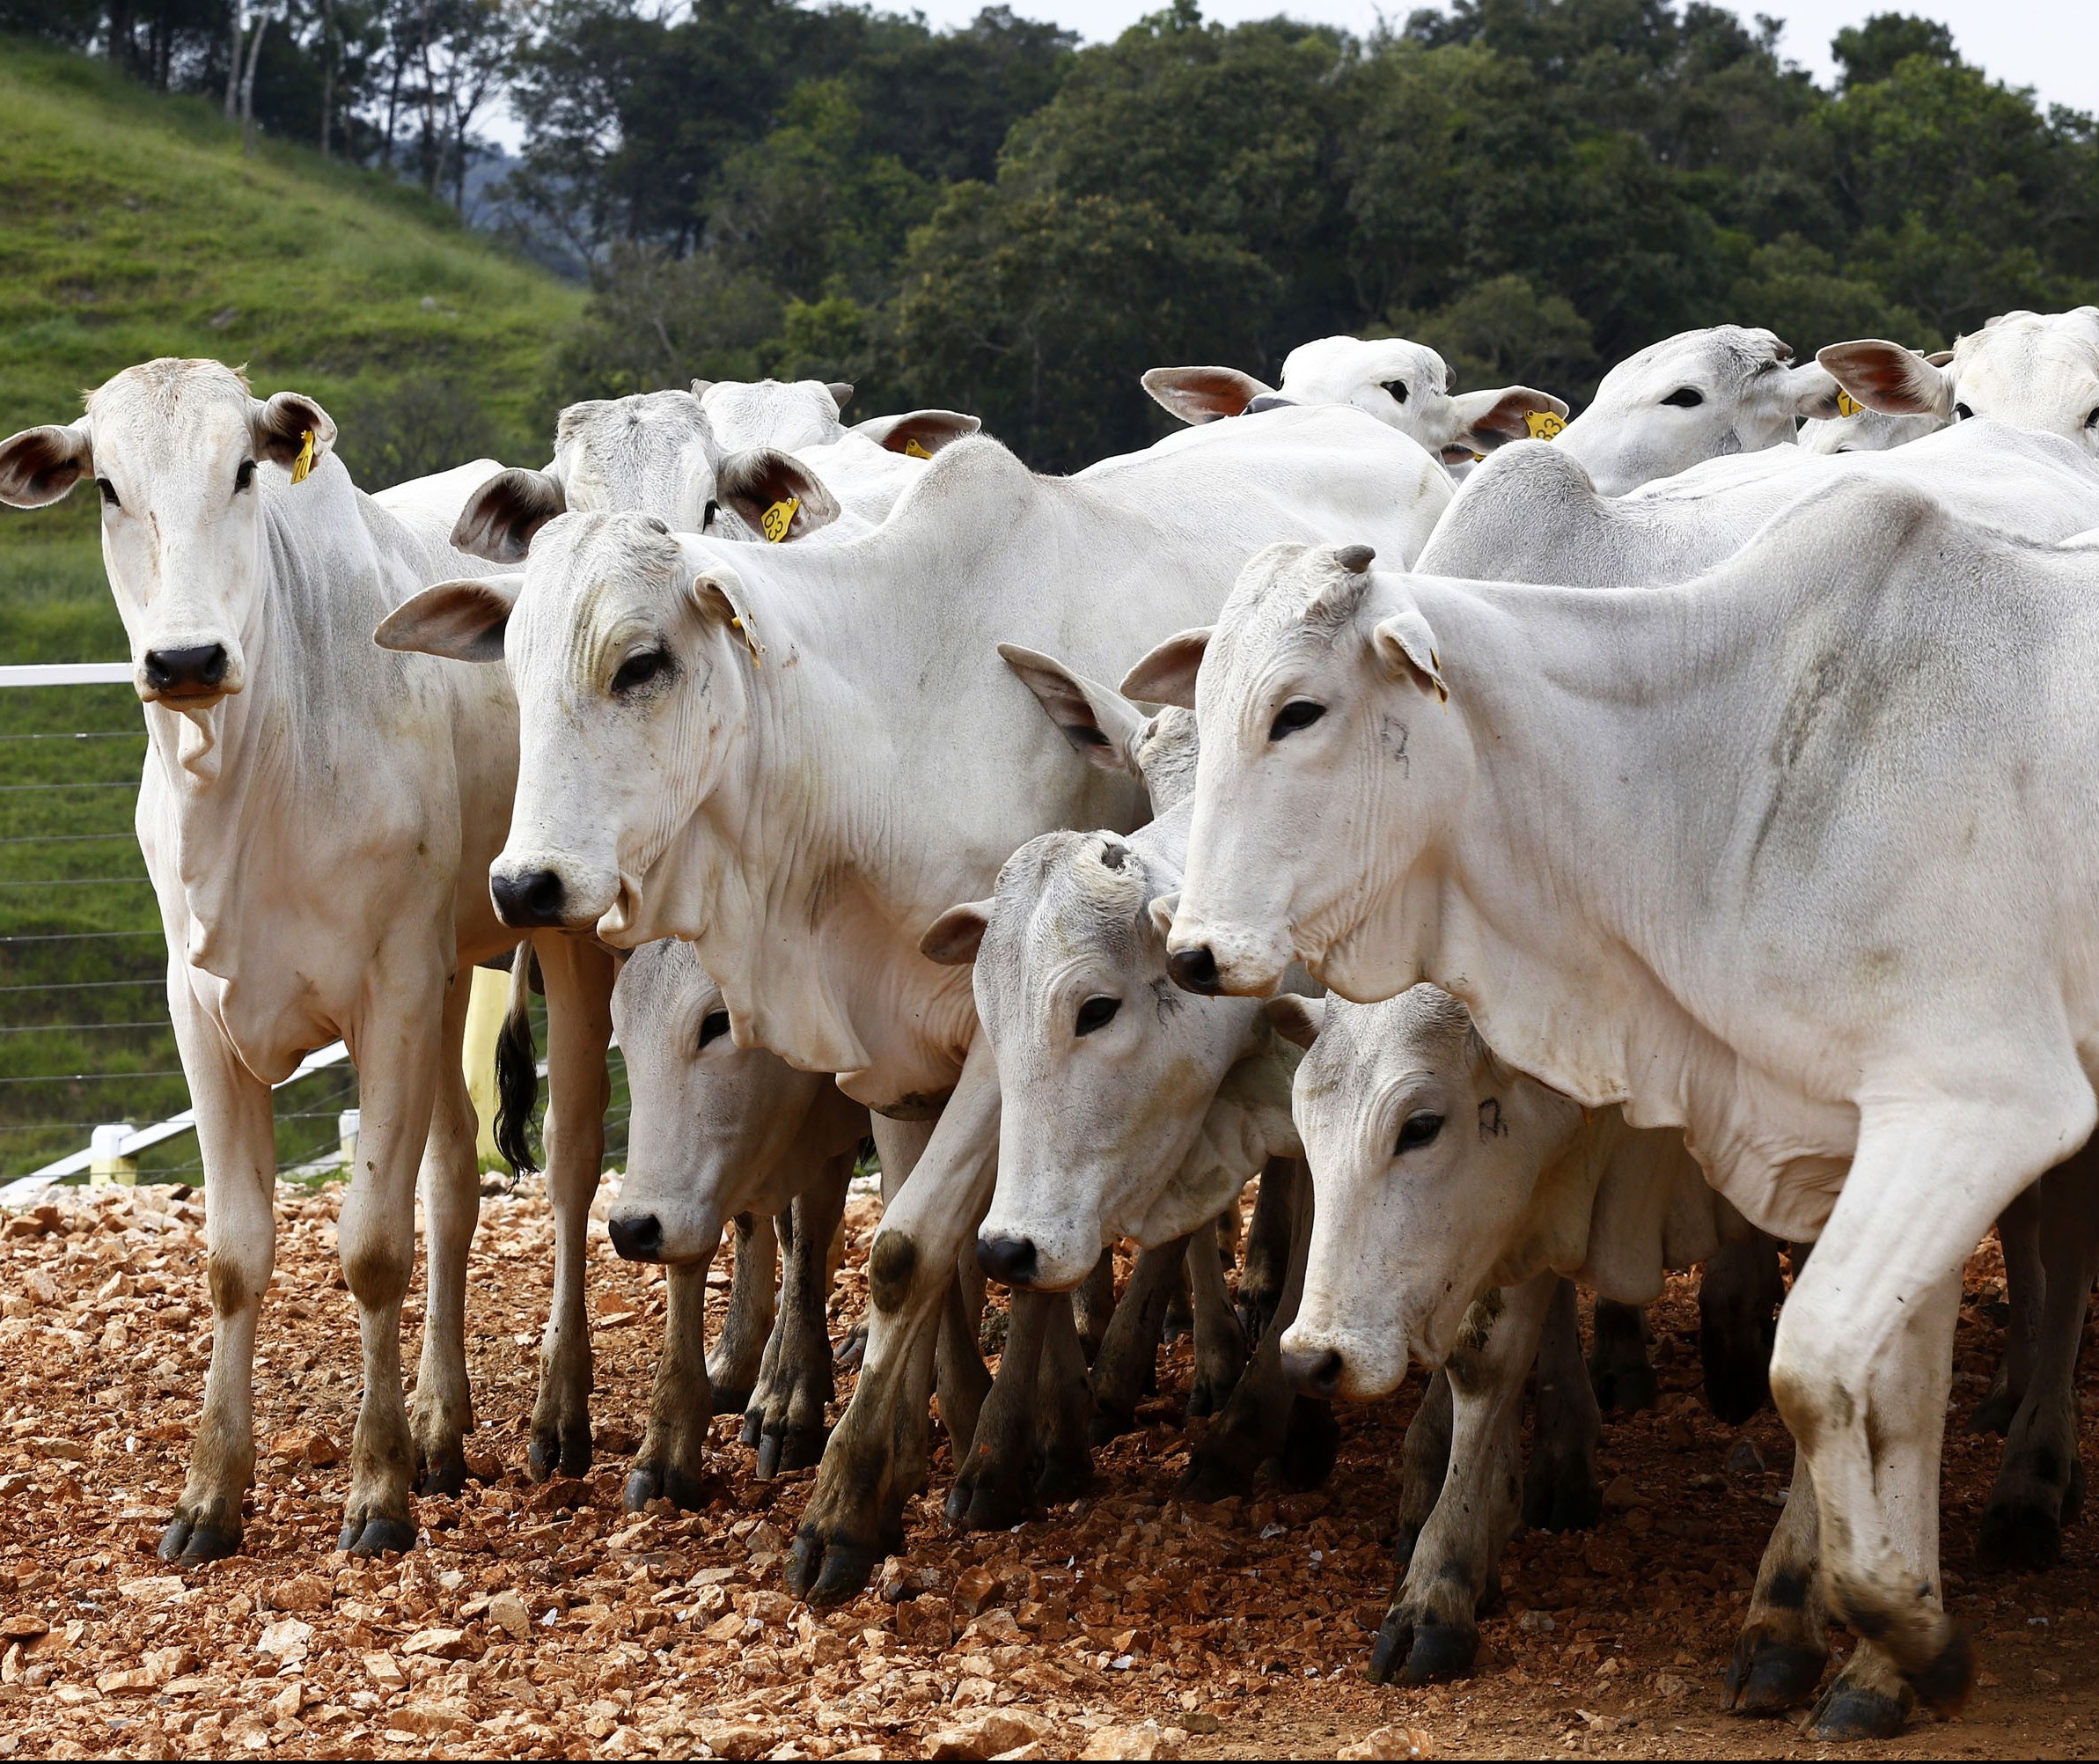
(1735, 1388)
(443, 1474)
(2018, 1537)
(568, 1453)
(1202, 1400)
(790, 1448)
(1626, 1389)
(198, 1541)
(829, 1571)
(1993, 1413)
(853, 1349)
(1254, 1317)
(1850, 1713)
(1441, 1652)
(647, 1482)
(1214, 1476)
(378, 1537)
(1180, 1323)
(727, 1401)
(1768, 1678)
(1311, 1444)
(1110, 1423)
(1561, 1498)
(1064, 1477)
(1943, 1685)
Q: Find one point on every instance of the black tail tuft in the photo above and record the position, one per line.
(518, 1069)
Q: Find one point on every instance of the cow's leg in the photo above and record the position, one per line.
(578, 978)
(1424, 1462)
(1063, 1411)
(738, 1359)
(1124, 1368)
(1264, 1418)
(237, 1138)
(397, 1055)
(1094, 1304)
(793, 1428)
(1432, 1630)
(961, 1380)
(1180, 1305)
(1220, 1342)
(877, 1458)
(1619, 1368)
(2025, 1283)
(1561, 1492)
(2040, 1484)
(768, 1365)
(1782, 1650)
(1739, 1295)
(672, 1463)
(1266, 1268)
(994, 1480)
(441, 1415)
(1864, 1354)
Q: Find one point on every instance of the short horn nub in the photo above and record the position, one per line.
(1354, 558)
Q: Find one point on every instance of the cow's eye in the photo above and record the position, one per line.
(638, 669)
(1418, 1130)
(1096, 1013)
(713, 1026)
(2092, 422)
(1686, 398)
(1961, 413)
(244, 474)
(1299, 713)
(1398, 388)
(707, 520)
(109, 495)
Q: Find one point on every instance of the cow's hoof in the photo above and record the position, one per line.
(1626, 1389)
(1853, 1712)
(647, 1482)
(568, 1453)
(1561, 1497)
(1311, 1444)
(1736, 1385)
(1993, 1413)
(728, 1401)
(1214, 1476)
(1066, 1476)
(2020, 1536)
(2073, 1495)
(1180, 1323)
(853, 1349)
(378, 1537)
(1206, 1399)
(1943, 1685)
(830, 1570)
(783, 1449)
(442, 1472)
(1110, 1423)
(1255, 1313)
(1768, 1678)
(1424, 1653)
(198, 1540)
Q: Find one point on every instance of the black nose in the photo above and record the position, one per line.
(196, 670)
(1008, 1260)
(1194, 970)
(637, 1239)
(1315, 1374)
(532, 899)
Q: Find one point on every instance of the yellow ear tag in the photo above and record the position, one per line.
(1544, 424)
(304, 464)
(915, 450)
(1846, 405)
(775, 521)
(751, 641)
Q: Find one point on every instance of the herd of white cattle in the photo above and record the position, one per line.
(1586, 855)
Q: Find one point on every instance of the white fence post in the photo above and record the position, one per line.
(107, 1163)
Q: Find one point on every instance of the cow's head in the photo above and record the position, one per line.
(2030, 369)
(713, 1123)
(1328, 762)
(1696, 396)
(771, 412)
(632, 649)
(179, 452)
(1428, 1156)
(1406, 385)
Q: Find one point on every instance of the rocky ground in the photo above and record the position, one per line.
(545, 1620)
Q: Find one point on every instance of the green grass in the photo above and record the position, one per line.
(130, 227)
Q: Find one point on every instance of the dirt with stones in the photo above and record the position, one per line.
(545, 1619)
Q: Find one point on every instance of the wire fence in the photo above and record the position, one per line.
(85, 1039)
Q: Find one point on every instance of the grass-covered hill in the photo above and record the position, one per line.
(131, 226)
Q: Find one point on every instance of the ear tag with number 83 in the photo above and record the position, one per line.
(1544, 424)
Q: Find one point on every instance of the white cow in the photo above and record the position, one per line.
(2031, 370)
(316, 816)
(1698, 395)
(1733, 855)
(1532, 514)
(1405, 385)
(800, 756)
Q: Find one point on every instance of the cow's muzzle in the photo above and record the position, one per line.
(532, 897)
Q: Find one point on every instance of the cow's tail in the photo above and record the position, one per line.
(517, 1068)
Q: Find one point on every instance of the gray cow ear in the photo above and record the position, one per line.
(841, 393)
(1099, 723)
(40, 466)
(1406, 647)
(1162, 907)
(501, 517)
(919, 433)
(1888, 377)
(1167, 675)
(1203, 394)
(461, 620)
(294, 430)
(953, 938)
(1296, 1019)
(775, 494)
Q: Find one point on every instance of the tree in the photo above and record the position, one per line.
(1872, 51)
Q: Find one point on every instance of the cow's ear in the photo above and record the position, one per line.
(1098, 722)
(953, 938)
(920, 433)
(775, 494)
(40, 466)
(1814, 392)
(1406, 648)
(1297, 1018)
(1486, 419)
(501, 517)
(294, 430)
(841, 393)
(1888, 377)
(1167, 675)
(1203, 394)
(461, 620)
(1160, 910)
